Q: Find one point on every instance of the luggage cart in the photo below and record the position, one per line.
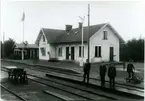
(136, 79)
(16, 75)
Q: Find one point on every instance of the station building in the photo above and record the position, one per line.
(30, 50)
(57, 44)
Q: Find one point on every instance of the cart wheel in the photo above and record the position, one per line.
(127, 80)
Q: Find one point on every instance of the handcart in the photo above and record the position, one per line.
(136, 79)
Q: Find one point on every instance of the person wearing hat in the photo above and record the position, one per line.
(112, 74)
(130, 69)
(86, 69)
(102, 74)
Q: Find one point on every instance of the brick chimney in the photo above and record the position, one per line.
(68, 28)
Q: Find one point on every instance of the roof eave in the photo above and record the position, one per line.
(67, 42)
(121, 40)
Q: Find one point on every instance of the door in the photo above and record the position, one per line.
(111, 53)
(67, 53)
(72, 53)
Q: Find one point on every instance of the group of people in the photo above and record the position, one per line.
(111, 72)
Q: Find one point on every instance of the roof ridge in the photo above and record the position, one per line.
(93, 25)
(74, 28)
(53, 29)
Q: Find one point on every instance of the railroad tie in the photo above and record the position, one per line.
(63, 97)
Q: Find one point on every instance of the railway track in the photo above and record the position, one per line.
(73, 88)
(75, 93)
(18, 97)
(125, 86)
(120, 86)
(71, 73)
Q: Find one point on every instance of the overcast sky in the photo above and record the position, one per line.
(128, 18)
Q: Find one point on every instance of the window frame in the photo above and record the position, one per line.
(43, 52)
(80, 51)
(105, 35)
(59, 51)
(98, 51)
(43, 38)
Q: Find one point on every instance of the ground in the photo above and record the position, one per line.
(94, 73)
(121, 73)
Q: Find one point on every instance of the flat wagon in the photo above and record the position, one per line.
(16, 75)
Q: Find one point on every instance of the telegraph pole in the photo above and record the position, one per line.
(23, 19)
(23, 43)
(82, 42)
(82, 49)
(89, 32)
(3, 44)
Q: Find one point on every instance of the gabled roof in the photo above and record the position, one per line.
(60, 36)
(73, 37)
(52, 34)
(27, 46)
(116, 33)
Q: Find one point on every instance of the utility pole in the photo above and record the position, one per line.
(82, 49)
(23, 43)
(3, 44)
(23, 19)
(89, 32)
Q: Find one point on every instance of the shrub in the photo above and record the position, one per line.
(15, 57)
(53, 60)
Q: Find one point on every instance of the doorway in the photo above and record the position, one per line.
(72, 53)
(67, 53)
(111, 53)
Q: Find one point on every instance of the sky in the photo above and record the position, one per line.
(126, 17)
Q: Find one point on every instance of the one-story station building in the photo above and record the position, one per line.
(57, 44)
(30, 50)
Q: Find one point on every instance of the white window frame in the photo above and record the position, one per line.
(80, 51)
(98, 56)
(43, 53)
(43, 38)
(105, 38)
(59, 51)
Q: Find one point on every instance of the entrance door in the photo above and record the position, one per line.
(111, 53)
(67, 53)
(72, 53)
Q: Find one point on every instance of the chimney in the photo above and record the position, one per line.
(68, 28)
(80, 25)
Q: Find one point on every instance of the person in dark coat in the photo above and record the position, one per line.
(102, 74)
(112, 75)
(130, 69)
(86, 69)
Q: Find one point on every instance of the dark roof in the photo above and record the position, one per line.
(27, 46)
(60, 36)
(73, 37)
(52, 34)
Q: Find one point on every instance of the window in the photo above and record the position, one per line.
(25, 52)
(43, 38)
(43, 51)
(105, 35)
(80, 51)
(97, 51)
(60, 51)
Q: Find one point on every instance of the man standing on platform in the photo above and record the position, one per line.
(102, 74)
(112, 75)
(130, 69)
(86, 69)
